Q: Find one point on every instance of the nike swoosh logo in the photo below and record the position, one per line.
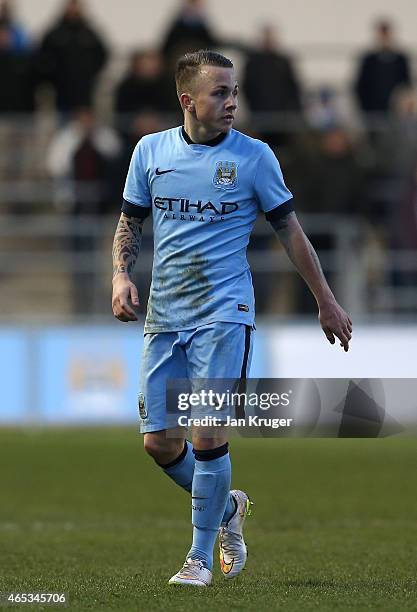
(159, 172)
(226, 567)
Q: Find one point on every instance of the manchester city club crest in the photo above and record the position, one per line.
(143, 413)
(225, 175)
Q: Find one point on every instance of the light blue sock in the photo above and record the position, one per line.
(210, 494)
(231, 508)
(181, 470)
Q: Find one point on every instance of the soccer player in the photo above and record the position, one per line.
(205, 184)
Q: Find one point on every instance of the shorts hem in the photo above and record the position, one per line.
(155, 427)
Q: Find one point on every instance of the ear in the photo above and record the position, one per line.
(187, 102)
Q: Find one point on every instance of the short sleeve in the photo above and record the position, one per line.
(269, 185)
(136, 189)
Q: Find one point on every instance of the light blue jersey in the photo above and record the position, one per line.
(204, 200)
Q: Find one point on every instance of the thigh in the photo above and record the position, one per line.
(218, 359)
(163, 358)
(220, 350)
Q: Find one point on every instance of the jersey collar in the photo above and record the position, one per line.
(209, 143)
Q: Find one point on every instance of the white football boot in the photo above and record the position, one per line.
(193, 573)
(233, 551)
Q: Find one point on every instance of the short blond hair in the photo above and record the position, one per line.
(189, 65)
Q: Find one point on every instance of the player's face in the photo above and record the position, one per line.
(215, 98)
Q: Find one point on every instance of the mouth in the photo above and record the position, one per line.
(229, 117)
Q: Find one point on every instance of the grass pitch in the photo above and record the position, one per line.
(85, 512)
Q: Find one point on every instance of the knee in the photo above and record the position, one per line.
(161, 449)
(153, 446)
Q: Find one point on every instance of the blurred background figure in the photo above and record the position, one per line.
(395, 185)
(19, 39)
(80, 158)
(16, 75)
(395, 155)
(141, 124)
(336, 179)
(322, 111)
(189, 31)
(397, 150)
(380, 73)
(270, 85)
(17, 87)
(330, 185)
(145, 87)
(70, 58)
(83, 160)
(405, 226)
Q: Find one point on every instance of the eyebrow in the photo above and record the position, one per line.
(235, 86)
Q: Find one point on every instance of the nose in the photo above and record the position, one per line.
(231, 102)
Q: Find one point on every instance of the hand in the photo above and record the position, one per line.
(335, 322)
(123, 291)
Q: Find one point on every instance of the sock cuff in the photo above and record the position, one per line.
(211, 453)
(180, 457)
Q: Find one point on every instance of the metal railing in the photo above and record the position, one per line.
(59, 266)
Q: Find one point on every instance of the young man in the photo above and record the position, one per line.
(205, 183)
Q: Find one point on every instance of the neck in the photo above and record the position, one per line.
(198, 133)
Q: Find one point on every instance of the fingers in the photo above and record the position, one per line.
(344, 337)
(329, 335)
(123, 311)
(344, 342)
(134, 295)
(123, 292)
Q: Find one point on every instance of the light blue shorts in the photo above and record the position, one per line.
(217, 350)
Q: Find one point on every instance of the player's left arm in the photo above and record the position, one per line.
(333, 319)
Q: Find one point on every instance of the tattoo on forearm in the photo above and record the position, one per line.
(126, 244)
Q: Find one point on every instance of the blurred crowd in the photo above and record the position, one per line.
(368, 171)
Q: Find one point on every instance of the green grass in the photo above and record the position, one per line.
(334, 525)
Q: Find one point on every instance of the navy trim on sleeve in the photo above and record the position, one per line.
(280, 211)
(134, 210)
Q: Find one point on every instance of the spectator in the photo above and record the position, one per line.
(143, 123)
(337, 177)
(394, 187)
(329, 180)
(17, 83)
(322, 109)
(19, 40)
(398, 148)
(71, 56)
(380, 72)
(83, 159)
(144, 88)
(190, 31)
(16, 97)
(271, 86)
(405, 222)
(79, 158)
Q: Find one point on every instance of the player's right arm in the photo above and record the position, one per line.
(126, 247)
